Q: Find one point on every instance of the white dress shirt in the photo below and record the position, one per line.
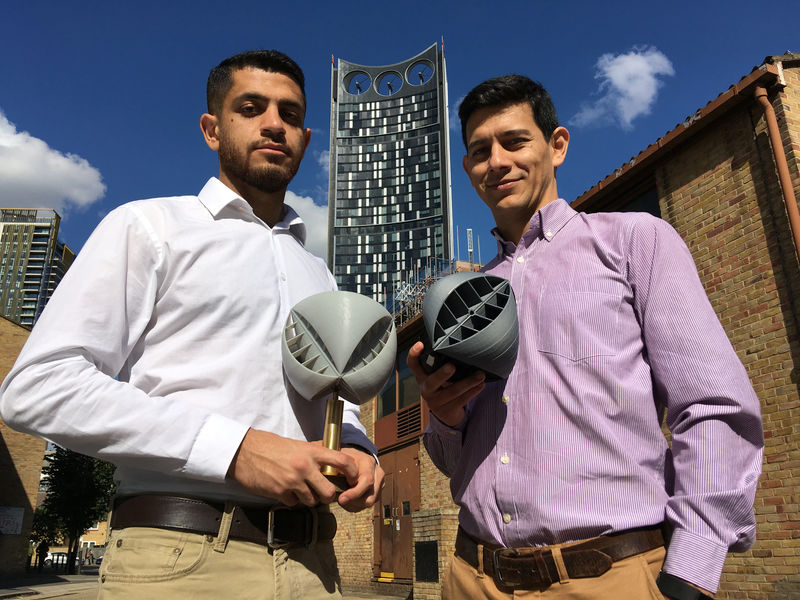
(161, 345)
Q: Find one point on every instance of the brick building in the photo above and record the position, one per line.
(726, 178)
(21, 458)
(408, 538)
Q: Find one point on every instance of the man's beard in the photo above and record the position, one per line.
(268, 177)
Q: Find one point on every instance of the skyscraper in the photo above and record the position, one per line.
(389, 193)
(32, 261)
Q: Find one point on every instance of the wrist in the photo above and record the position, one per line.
(361, 449)
(452, 419)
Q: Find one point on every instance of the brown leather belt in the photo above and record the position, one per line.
(275, 527)
(528, 568)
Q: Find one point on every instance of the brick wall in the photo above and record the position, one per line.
(99, 536)
(353, 543)
(437, 519)
(787, 111)
(354, 535)
(435, 525)
(720, 191)
(21, 459)
(354, 540)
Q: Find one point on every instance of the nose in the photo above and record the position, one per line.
(498, 158)
(272, 122)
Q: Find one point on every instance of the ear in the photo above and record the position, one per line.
(306, 142)
(208, 125)
(559, 142)
(465, 164)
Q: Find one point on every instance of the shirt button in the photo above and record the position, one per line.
(283, 276)
(520, 259)
(506, 518)
(505, 459)
(505, 398)
(548, 235)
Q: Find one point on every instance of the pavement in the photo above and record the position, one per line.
(48, 584)
(58, 586)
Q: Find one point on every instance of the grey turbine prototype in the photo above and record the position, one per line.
(340, 345)
(471, 321)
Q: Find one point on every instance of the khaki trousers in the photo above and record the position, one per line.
(633, 578)
(144, 562)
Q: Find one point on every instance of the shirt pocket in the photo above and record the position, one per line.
(578, 325)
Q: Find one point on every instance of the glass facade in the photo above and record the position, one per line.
(32, 262)
(389, 195)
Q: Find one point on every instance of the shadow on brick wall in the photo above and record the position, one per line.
(16, 512)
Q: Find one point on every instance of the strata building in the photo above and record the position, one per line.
(389, 192)
(32, 262)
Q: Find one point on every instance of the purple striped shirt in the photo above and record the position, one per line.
(615, 329)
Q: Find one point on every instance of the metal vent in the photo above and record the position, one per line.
(304, 345)
(307, 348)
(470, 308)
(409, 421)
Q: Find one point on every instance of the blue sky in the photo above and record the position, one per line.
(100, 101)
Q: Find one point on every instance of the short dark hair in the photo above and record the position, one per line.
(510, 89)
(220, 79)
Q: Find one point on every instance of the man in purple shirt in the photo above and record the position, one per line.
(566, 483)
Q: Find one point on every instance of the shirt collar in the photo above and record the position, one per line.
(216, 196)
(546, 223)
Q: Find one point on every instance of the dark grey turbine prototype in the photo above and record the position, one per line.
(471, 321)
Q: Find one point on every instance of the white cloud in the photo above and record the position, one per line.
(629, 85)
(324, 160)
(33, 175)
(455, 122)
(316, 219)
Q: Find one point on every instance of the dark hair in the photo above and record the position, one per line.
(510, 89)
(220, 79)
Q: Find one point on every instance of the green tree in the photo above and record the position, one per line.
(45, 529)
(79, 491)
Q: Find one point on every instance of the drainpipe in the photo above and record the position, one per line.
(783, 166)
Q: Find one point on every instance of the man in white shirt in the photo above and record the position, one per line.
(160, 352)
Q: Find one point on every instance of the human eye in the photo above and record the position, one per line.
(292, 116)
(479, 152)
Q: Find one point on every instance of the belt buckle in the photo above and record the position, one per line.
(505, 552)
(271, 528)
(529, 575)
